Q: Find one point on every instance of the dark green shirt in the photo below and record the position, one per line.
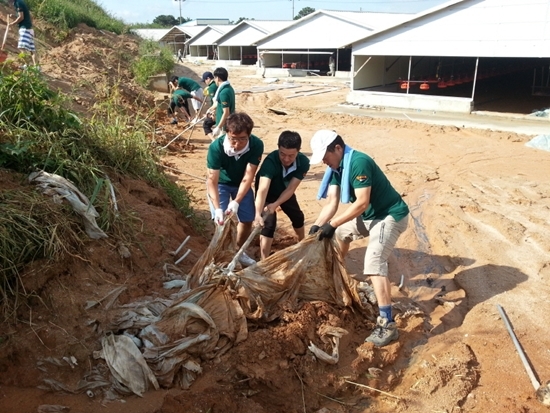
(188, 84)
(212, 87)
(232, 170)
(21, 7)
(273, 169)
(384, 199)
(226, 99)
(180, 94)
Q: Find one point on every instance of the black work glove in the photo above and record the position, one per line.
(327, 231)
(314, 229)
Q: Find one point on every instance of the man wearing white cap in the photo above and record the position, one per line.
(377, 212)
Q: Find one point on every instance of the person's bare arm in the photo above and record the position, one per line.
(285, 195)
(246, 183)
(212, 187)
(357, 208)
(20, 17)
(261, 195)
(328, 211)
(225, 115)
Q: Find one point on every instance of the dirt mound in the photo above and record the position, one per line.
(478, 236)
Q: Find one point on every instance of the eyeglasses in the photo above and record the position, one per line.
(235, 140)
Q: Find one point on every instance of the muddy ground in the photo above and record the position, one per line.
(478, 237)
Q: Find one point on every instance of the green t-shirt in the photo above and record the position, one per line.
(180, 94)
(273, 169)
(226, 99)
(188, 84)
(232, 170)
(384, 199)
(21, 7)
(212, 87)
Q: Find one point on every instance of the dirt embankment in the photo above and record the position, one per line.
(478, 236)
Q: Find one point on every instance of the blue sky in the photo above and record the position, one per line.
(144, 11)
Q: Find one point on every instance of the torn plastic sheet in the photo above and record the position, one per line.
(176, 335)
(60, 188)
(127, 364)
(332, 335)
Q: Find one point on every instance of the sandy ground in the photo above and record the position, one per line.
(478, 237)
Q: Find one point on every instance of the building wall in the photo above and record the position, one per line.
(411, 101)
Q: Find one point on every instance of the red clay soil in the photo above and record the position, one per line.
(478, 236)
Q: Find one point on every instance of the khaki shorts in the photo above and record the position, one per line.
(383, 235)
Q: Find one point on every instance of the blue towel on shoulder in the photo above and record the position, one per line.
(345, 189)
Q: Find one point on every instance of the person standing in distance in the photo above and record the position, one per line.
(377, 211)
(224, 100)
(261, 60)
(209, 121)
(26, 32)
(276, 183)
(232, 161)
(332, 65)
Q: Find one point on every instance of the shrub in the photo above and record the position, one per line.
(153, 60)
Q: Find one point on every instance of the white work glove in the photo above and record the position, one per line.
(233, 207)
(218, 216)
(216, 132)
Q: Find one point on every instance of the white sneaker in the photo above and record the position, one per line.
(246, 261)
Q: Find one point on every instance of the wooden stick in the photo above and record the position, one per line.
(372, 388)
(192, 129)
(177, 136)
(313, 93)
(302, 383)
(235, 259)
(520, 351)
(362, 66)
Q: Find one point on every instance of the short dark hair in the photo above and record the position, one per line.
(239, 122)
(337, 141)
(290, 140)
(174, 79)
(221, 72)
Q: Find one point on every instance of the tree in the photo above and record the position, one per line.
(241, 19)
(304, 12)
(166, 20)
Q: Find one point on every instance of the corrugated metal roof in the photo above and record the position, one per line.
(179, 31)
(210, 35)
(192, 31)
(329, 30)
(469, 28)
(248, 32)
(151, 34)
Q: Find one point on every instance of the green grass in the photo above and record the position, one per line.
(67, 14)
(153, 60)
(38, 132)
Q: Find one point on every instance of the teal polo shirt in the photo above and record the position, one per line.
(212, 87)
(384, 199)
(273, 169)
(226, 99)
(188, 84)
(232, 170)
(180, 94)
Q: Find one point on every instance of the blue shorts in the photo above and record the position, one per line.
(247, 210)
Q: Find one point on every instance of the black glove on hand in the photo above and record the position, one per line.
(314, 229)
(327, 231)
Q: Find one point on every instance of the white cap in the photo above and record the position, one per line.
(319, 143)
